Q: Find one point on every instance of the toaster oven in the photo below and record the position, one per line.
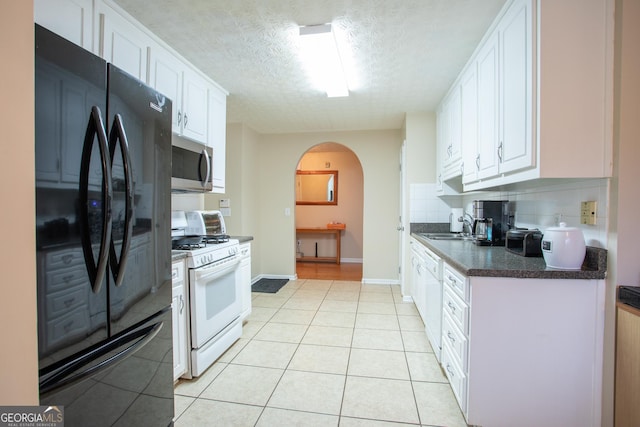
(524, 242)
(205, 223)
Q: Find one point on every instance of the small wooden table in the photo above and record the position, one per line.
(321, 230)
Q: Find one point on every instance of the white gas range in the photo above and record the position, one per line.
(212, 260)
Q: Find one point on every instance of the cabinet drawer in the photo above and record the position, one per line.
(60, 303)
(432, 263)
(66, 279)
(456, 281)
(177, 272)
(456, 377)
(456, 340)
(64, 259)
(245, 250)
(456, 308)
(66, 328)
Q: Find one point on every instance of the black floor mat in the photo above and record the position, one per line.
(269, 286)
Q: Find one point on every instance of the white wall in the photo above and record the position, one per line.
(240, 188)
(278, 156)
(18, 330)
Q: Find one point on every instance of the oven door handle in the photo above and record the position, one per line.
(215, 271)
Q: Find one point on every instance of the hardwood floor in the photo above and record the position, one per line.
(329, 271)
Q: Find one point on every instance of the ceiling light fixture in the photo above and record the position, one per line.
(320, 54)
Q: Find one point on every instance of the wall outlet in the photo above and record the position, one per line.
(588, 213)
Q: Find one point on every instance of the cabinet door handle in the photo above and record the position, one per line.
(462, 168)
(500, 150)
(451, 306)
(478, 162)
(450, 371)
(186, 119)
(181, 304)
(69, 302)
(67, 259)
(179, 117)
(451, 337)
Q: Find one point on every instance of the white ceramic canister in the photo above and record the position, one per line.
(563, 247)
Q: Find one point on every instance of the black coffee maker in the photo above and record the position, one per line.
(492, 221)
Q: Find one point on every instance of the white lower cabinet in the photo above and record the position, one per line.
(525, 352)
(427, 291)
(179, 319)
(245, 277)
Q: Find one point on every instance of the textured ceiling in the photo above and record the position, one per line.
(406, 54)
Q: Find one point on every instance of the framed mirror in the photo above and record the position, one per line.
(317, 187)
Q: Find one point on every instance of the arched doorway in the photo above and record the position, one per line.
(317, 254)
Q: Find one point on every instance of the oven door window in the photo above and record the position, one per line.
(214, 300)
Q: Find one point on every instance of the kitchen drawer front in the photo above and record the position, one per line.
(457, 341)
(431, 262)
(66, 328)
(177, 272)
(456, 281)
(245, 250)
(60, 303)
(64, 259)
(457, 379)
(66, 279)
(456, 308)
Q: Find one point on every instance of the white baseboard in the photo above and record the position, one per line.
(351, 260)
(407, 298)
(380, 281)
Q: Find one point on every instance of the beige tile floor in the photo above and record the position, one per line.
(324, 353)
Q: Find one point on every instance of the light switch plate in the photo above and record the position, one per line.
(225, 203)
(588, 212)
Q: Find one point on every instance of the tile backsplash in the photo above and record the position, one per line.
(425, 206)
(539, 207)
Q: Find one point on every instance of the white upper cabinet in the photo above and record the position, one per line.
(194, 106)
(540, 112)
(486, 153)
(72, 19)
(217, 130)
(199, 105)
(165, 75)
(452, 146)
(516, 150)
(122, 43)
(469, 125)
(189, 92)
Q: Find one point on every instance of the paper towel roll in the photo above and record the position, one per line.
(455, 220)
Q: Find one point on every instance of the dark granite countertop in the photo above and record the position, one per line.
(488, 261)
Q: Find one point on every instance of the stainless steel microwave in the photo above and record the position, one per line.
(191, 166)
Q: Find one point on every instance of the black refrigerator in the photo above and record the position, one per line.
(103, 196)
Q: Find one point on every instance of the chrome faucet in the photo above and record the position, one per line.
(468, 223)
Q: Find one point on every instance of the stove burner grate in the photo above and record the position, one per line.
(190, 243)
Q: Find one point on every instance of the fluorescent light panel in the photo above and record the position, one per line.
(320, 53)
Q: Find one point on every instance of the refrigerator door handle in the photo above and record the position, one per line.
(67, 374)
(208, 160)
(118, 139)
(96, 270)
